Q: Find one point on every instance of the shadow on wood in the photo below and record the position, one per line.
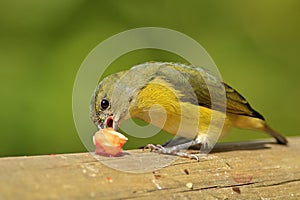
(256, 145)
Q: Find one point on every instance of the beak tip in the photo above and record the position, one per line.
(94, 140)
(110, 122)
(115, 126)
(99, 127)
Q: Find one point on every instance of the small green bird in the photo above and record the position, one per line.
(185, 93)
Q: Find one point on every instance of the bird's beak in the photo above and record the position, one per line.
(99, 127)
(109, 122)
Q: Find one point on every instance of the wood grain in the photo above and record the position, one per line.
(250, 170)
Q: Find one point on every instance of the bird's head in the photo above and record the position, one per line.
(111, 101)
(116, 97)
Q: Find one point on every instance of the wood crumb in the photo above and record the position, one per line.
(189, 185)
(237, 190)
(186, 171)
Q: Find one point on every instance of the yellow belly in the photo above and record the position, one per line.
(159, 105)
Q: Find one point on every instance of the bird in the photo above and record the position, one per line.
(182, 99)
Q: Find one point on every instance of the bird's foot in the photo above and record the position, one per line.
(206, 144)
(170, 151)
(158, 149)
(187, 155)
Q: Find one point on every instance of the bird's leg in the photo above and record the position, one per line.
(175, 150)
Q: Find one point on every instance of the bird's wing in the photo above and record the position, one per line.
(205, 88)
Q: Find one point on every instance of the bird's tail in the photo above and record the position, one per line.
(279, 138)
(253, 123)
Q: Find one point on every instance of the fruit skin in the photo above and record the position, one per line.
(109, 142)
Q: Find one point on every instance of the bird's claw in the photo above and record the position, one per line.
(163, 150)
(188, 155)
(155, 148)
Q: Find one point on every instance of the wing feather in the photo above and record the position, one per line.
(205, 85)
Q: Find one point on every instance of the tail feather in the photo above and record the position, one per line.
(279, 138)
(252, 123)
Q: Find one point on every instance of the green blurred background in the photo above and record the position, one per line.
(255, 44)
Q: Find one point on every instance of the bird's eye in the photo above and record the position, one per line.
(104, 104)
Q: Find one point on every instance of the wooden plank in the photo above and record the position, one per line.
(253, 170)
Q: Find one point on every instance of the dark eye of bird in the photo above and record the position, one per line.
(104, 104)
